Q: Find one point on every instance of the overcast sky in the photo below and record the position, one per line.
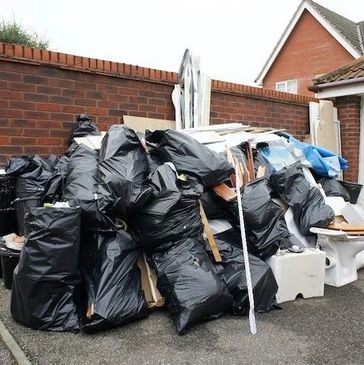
(232, 37)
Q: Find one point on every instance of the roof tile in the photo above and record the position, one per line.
(352, 70)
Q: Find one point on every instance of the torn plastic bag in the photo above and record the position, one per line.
(307, 203)
(46, 281)
(333, 187)
(84, 128)
(232, 271)
(189, 283)
(112, 280)
(172, 214)
(123, 168)
(265, 226)
(190, 156)
(82, 188)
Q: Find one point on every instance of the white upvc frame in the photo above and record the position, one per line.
(285, 83)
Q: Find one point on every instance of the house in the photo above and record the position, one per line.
(316, 40)
(345, 86)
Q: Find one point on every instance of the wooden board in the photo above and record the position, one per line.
(149, 284)
(224, 192)
(326, 129)
(346, 227)
(210, 236)
(140, 124)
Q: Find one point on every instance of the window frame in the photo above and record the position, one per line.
(285, 83)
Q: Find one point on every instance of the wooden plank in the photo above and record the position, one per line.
(261, 171)
(250, 161)
(210, 236)
(346, 227)
(140, 124)
(225, 192)
(326, 129)
(149, 284)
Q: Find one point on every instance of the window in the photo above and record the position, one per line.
(289, 86)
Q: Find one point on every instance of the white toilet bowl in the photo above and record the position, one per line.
(341, 250)
(359, 258)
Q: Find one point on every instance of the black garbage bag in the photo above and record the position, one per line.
(46, 281)
(123, 168)
(190, 156)
(54, 189)
(353, 190)
(84, 128)
(213, 206)
(232, 271)
(265, 226)
(82, 188)
(16, 166)
(7, 191)
(332, 187)
(7, 221)
(7, 213)
(154, 162)
(32, 177)
(112, 280)
(259, 160)
(307, 203)
(189, 283)
(172, 214)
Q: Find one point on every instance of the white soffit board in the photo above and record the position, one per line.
(305, 6)
(344, 90)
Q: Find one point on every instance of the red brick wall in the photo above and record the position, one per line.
(41, 94)
(349, 116)
(310, 50)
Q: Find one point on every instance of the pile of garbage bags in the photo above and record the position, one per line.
(107, 207)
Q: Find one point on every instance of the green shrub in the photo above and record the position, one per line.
(12, 32)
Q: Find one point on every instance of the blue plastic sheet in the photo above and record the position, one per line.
(278, 155)
(322, 161)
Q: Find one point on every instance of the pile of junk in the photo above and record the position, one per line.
(126, 222)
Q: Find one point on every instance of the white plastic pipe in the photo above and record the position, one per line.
(252, 322)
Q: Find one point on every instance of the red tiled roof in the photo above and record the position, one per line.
(352, 70)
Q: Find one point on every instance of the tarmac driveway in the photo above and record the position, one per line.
(306, 331)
